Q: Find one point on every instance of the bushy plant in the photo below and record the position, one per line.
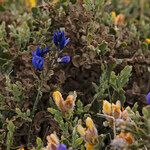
(74, 74)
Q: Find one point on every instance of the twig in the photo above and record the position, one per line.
(110, 117)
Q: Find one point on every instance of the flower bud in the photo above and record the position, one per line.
(119, 20)
(106, 107)
(147, 40)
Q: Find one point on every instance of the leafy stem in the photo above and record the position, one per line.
(38, 96)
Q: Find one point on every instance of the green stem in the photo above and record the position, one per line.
(38, 96)
(36, 102)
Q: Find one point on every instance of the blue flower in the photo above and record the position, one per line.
(61, 147)
(60, 40)
(37, 62)
(40, 52)
(64, 59)
(148, 98)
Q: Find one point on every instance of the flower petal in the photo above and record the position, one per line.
(62, 147)
(64, 59)
(148, 98)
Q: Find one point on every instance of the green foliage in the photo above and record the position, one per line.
(16, 89)
(110, 80)
(76, 140)
(82, 109)
(20, 34)
(24, 115)
(102, 48)
(22, 29)
(11, 129)
(5, 55)
(59, 118)
(39, 143)
(103, 85)
(117, 82)
(140, 126)
(68, 124)
(94, 6)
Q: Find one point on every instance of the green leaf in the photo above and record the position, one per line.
(102, 48)
(23, 115)
(113, 81)
(79, 107)
(124, 76)
(146, 112)
(79, 104)
(78, 142)
(39, 143)
(11, 129)
(135, 107)
(52, 110)
(74, 137)
(58, 117)
(87, 108)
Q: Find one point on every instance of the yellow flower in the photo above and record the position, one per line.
(69, 102)
(112, 109)
(89, 133)
(107, 107)
(81, 130)
(31, 3)
(113, 15)
(147, 40)
(52, 141)
(116, 110)
(64, 105)
(89, 123)
(127, 136)
(89, 146)
(119, 20)
(57, 98)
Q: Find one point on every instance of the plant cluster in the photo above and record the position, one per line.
(90, 91)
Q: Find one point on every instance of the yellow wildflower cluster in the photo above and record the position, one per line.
(118, 20)
(147, 40)
(127, 136)
(89, 133)
(52, 142)
(30, 3)
(123, 140)
(115, 111)
(64, 105)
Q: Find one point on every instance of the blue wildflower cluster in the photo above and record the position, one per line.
(60, 42)
(37, 57)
